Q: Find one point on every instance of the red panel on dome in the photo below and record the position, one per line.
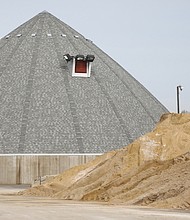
(81, 66)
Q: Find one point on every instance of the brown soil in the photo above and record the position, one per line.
(152, 171)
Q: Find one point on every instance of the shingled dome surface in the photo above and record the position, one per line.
(44, 109)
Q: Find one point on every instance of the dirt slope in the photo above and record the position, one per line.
(154, 170)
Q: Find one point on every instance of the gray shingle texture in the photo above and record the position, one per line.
(46, 110)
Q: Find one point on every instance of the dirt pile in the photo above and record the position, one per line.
(154, 170)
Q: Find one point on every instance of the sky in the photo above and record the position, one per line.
(149, 38)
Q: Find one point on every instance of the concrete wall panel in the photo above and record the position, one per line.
(24, 169)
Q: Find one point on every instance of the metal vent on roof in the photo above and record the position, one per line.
(19, 35)
(33, 35)
(76, 36)
(7, 37)
(89, 40)
(63, 35)
(49, 35)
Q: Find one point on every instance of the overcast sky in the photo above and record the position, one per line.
(149, 38)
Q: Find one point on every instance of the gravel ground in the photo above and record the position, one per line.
(13, 206)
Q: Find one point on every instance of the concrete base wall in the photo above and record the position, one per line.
(24, 169)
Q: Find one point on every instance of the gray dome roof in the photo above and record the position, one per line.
(46, 110)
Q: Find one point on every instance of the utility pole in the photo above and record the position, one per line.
(179, 88)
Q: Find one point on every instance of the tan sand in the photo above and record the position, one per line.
(152, 171)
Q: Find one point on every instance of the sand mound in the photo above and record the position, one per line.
(154, 170)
